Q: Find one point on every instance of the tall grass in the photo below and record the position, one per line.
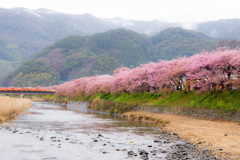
(11, 107)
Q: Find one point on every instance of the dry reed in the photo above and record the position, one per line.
(11, 107)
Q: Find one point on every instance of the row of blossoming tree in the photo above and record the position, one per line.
(214, 70)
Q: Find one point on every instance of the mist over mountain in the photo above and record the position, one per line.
(77, 56)
(25, 32)
(224, 29)
(146, 27)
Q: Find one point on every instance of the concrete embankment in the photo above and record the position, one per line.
(11, 107)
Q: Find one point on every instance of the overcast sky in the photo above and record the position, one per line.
(167, 10)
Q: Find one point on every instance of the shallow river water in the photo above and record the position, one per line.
(51, 132)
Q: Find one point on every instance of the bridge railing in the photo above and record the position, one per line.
(26, 90)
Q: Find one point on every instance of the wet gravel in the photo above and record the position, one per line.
(26, 141)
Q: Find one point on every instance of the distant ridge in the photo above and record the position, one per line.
(224, 28)
(76, 56)
(24, 32)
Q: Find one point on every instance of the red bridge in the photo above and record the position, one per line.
(27, 90)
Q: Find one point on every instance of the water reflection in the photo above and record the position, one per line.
(47, 116)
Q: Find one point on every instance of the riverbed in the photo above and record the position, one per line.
(51, 132)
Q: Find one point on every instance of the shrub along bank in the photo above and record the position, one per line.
(11, 107)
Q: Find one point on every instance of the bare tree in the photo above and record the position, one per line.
(229, 43)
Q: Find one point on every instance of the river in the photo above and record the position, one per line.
(51, 132)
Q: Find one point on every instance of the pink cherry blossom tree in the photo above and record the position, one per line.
(214, 70)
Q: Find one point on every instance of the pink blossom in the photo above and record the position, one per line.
(206, 71)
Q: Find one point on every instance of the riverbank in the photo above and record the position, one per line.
(218, 105)
(68, 134)
(204, 121)
(11, 107)
(220, 137)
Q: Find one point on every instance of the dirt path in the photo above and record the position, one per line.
(223, 138)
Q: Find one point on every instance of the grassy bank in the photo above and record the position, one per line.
(211, 105)
(11, 107)
(225, 100)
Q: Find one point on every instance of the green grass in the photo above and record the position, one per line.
(224, 101)
(219, 100)
(49, 96)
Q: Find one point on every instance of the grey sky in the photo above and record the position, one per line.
(167, 10)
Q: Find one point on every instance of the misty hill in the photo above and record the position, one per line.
(146, 27)
(224, 29)
(77, 56)
(24, 32)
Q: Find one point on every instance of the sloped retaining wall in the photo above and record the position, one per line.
(78, 106)
(103, 107)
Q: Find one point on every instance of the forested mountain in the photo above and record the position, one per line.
(177, 42)
(77, 56)
(24, 32)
